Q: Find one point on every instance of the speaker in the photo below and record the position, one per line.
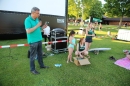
(59, 45)
(58, 32)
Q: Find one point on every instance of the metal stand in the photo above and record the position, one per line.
(59, 47)
(59, 34)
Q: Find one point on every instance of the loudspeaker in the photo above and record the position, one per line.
(58, 32)
(59, 45)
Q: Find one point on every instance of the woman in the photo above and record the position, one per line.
(71, 45)
(100, 26)
(81, 49)
(89, 35)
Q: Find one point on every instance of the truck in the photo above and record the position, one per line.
(14, 12)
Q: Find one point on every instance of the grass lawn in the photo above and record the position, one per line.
(14, 66)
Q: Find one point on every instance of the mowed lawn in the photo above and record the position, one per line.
(14, 65)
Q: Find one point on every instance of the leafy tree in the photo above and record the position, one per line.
(85, 8)
(96, 9)
(118, 8)
(73, 8)
(92, 8)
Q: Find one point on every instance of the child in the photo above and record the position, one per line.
(71, 46)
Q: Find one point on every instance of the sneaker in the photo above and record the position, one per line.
(44, 55)
(35, 72)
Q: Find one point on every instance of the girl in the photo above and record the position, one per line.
(81, 49)
(71, 45)
(89, 35)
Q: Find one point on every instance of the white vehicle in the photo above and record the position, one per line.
(14, 12)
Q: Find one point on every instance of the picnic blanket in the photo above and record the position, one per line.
(124, 62)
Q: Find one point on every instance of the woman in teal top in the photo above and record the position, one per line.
(81, 52)
(71, 46)
(89, 35)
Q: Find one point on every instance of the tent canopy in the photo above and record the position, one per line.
(94, 20)
(97, 20)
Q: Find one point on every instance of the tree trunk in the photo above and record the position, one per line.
(120, 23)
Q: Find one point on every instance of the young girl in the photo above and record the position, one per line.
(89, 35)
(81, 49)
(71, 46)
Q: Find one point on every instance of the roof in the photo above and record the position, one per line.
(117, 19)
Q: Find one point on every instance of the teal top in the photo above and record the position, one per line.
(90, 32)
(71, 45)
(73, 41)
(81, 48)
(36, 35)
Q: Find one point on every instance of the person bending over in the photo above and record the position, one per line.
(81, 52)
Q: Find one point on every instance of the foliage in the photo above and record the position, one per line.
(96, 9)
(73, 8)
(119, 8)
(88, 7)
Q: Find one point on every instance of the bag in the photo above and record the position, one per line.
(28, 55)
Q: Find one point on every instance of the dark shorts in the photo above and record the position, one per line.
(88, 39)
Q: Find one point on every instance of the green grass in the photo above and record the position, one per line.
(14, 71)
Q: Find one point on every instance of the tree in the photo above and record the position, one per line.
(85, 8)
(92, 8)
(96, 9)
(73, 8)
(118, 8)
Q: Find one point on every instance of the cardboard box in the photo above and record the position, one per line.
(80, 62)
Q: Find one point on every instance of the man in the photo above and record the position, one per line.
(46, 31)
(34, 37)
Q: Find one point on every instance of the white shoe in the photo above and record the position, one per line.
(71, 61)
